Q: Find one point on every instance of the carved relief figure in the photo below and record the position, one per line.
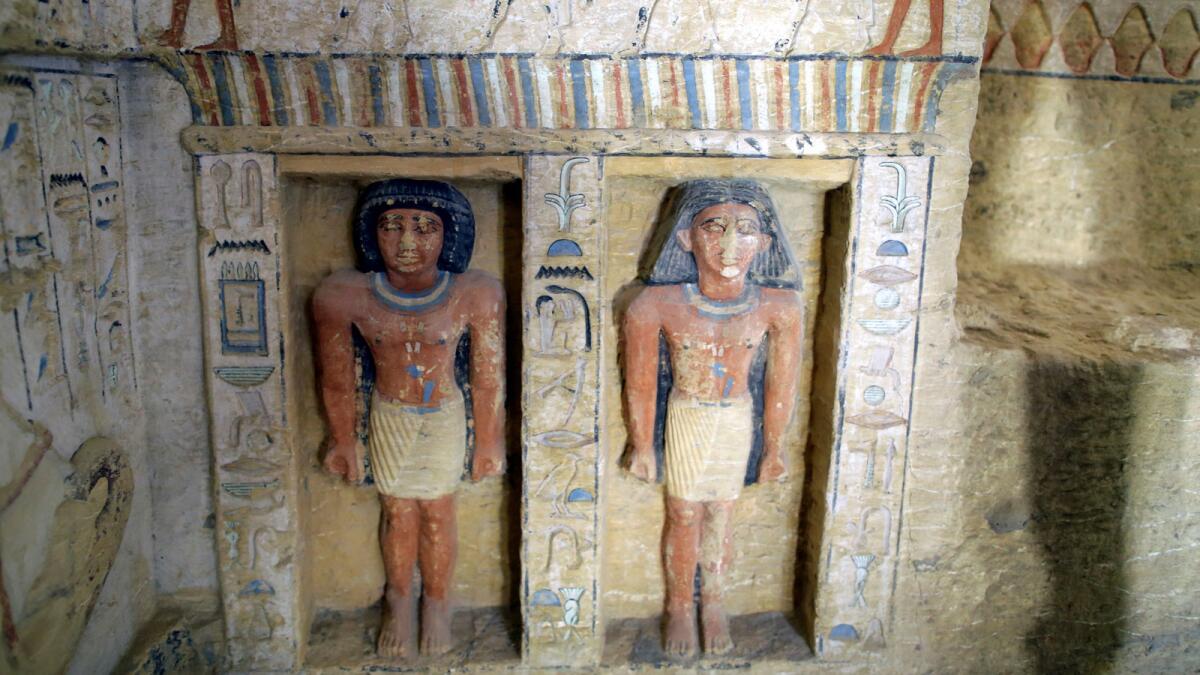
(173, 35)
(932, 46)
(413, 306)
(719, 320)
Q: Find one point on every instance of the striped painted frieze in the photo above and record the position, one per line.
(812, 93)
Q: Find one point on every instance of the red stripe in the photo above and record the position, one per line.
(725, 87)
(514, 93)
(207, 100)
(414, 98)
(828, 103)
(565, 119)
(360, 81)
(872, 78)
(310, 93)
(674, 85)
(260, 91)
(464, 92)
(779, 96)
(918, 107)
(617, 98)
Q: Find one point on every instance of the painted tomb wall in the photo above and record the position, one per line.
(75, 526)
(995, 372)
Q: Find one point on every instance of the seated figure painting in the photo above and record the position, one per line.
(426, 337)
(711, 361)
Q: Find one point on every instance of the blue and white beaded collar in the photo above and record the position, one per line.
(722, 309)
(419, 301)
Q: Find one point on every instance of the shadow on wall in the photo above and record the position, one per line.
(1080, 432)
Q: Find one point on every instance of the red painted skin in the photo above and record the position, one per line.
(723, 237)
(412, 530)
(173, 35)
(932, 46)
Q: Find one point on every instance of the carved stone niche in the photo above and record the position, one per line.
(769, 531)
(342, 565)
(560, 563)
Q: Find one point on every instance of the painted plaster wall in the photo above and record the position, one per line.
(161, 209)
(420, 26)
(70, 373)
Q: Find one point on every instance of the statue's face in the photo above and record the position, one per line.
(724, 238)
(410, 240)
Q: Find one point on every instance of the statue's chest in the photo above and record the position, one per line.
(412, 331)
(718, 337)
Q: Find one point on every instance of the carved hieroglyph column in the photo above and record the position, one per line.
(560, 433)
(256, 528)
(880, 315)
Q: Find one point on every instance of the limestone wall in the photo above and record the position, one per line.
(1072, 390)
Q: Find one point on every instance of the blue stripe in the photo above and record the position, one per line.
(935, 96)
(634, 66)
(328, 110)
(280, 104)
(839, 93)
(889, 85)
(794, 92)
(376, 79)
(743, 78)
(222, 86)
(429, 87)
(689, 84)
(527, 93)
(482, 112)
(579, 93)
(180, 74)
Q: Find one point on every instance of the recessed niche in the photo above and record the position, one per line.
(341, 561)
(771, 533)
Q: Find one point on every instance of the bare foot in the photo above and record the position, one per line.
(170, 38)
(931, 48)
(715, 625)
(395, 635)
(681, 635)
(435, 626)
(224, 43)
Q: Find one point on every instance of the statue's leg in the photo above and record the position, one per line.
(681, 543)
(173, 35)
(399, 529)
(895, 23)
(439, 550)
(716, 555)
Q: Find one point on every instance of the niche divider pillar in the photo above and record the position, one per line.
(561, 443)
(256, 490)
(877, 351)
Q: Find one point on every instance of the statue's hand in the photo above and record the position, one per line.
(341, 459)
(642, 465)
(772, 469)
(487, 464)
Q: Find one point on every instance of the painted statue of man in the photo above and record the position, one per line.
(721, 300)
(412, 305)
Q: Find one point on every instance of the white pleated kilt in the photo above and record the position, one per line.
(707, 448)
(416, 452)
